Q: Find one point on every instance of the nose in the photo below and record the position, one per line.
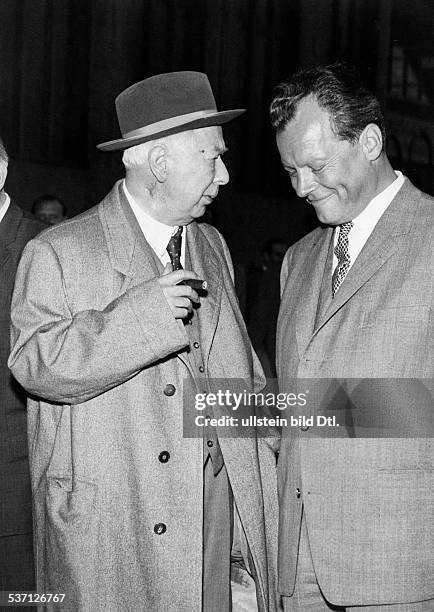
(304, 182)
(221, 173)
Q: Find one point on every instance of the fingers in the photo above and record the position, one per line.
(184, 291)
(179, 297)
(172, 278)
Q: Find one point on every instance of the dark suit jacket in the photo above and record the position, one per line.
(16, 229)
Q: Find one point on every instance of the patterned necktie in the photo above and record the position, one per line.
(343, 255)
(174, 249)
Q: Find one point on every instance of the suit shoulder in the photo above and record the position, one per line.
(306, 243)
(427, 205)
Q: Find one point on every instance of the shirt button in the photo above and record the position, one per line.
(201, 369)
(210, 443)
(196, 344)
(169, 390)
(160, 528)
(297, 493)
(164, 456)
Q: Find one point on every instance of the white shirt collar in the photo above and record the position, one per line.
(370, 215)
(365, 222)
(156, 234)
(4, 207)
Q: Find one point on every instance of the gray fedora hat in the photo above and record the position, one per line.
(166, 104)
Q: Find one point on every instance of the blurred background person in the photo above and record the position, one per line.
(50, 209)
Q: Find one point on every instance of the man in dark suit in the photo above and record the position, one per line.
(16, 549)
(356, 514)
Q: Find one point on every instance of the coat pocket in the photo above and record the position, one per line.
(67, 508)
(70, 540)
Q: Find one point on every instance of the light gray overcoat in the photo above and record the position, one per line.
(369, 503)
(94, 336)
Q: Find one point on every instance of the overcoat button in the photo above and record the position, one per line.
(160, 528)
(164, 456)
(196, 344)
(201, 369)
(169, 390)
(210, 443)
(297, 493)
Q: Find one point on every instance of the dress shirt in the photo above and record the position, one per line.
(365, 222)
(4, 206)
(157, 234)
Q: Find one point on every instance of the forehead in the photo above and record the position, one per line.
(210, 139)
(309, 132)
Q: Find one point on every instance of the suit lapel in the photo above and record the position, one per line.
(309, 287)
(8, 231)
(386, 238)
(207, 266)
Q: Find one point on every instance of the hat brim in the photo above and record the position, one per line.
(217, 118)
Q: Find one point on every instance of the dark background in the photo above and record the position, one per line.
(63, 62)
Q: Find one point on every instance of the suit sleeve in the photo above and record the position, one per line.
(284, 272)
(71, 357)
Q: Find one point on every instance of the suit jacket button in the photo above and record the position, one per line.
(164, 456)
(201, 369)
(160, 528)
(304, 427)
(297, 493)
(169, 390)
(210, 443)
(196, 344)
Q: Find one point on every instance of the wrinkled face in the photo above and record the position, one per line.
(50, 212)
(195, 173)
(332, 174)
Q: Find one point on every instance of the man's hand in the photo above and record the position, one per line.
(179, 297)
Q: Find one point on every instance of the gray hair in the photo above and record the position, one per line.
(137, 156)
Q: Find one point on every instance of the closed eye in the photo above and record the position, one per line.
(291, 171)
(318, 170)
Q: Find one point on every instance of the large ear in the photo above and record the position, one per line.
(157, 158)
(371, 140)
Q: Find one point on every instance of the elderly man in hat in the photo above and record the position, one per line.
(129, 514)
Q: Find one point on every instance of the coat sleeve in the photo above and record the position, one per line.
(71, 357)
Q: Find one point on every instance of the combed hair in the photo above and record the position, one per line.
(137, 156)
(338, 89)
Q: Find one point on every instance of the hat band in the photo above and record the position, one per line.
(167, 124)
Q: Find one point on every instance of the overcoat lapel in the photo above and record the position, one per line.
(130, 254)
(208, 267)
(386, 238)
